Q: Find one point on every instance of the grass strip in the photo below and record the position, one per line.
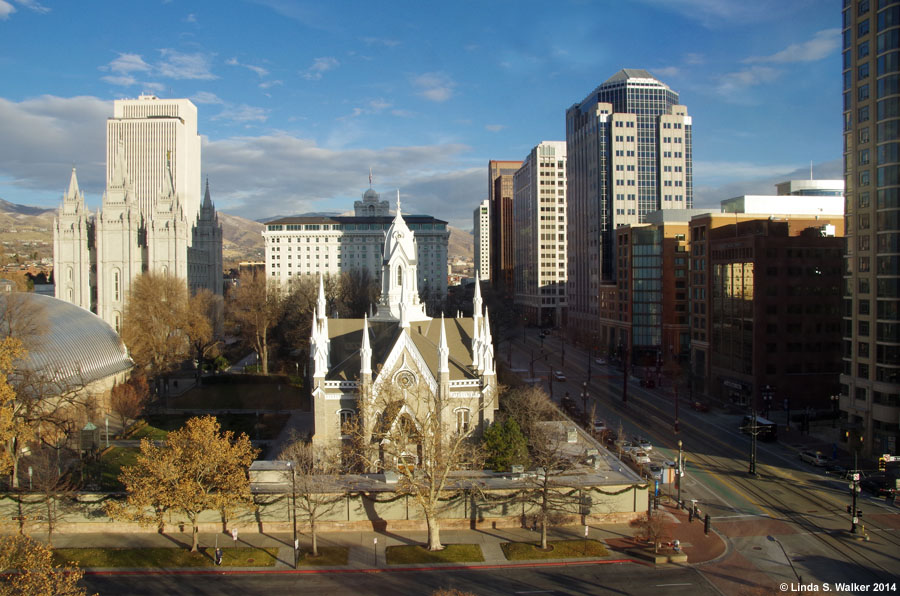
(329, 556)
(559, 549)
(415, 554)
(165, 557)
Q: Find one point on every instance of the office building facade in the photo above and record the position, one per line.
(870, 379)
(481, 228)
(629, 147)
(500, 195)
(539, 209)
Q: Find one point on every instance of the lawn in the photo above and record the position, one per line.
(165, 557)
(329, 556)
(559, 549)
(109, 467)
(452, 553)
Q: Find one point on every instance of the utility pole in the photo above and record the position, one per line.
(754, 430)
(854, 490)
(675, 387)
(625, 378)
(679, 471)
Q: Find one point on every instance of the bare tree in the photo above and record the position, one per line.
(51, 484)
(316, 482)
(425, 440)
(652, 528)
(254, 307)
(528, 406)
(550, 485)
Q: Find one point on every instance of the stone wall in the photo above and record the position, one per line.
(357, 511)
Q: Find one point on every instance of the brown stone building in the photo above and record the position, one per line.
(765, 308)
(500, 196)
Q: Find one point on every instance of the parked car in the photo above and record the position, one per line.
(700, 406)
(599, 360)
(655, 471)
(645, 445)
(639, 457)
(813, 457)
(599, 427)
(610, 436)
(559, 375)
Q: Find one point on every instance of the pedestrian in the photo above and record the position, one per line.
(218, 556)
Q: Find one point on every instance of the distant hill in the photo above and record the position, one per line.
(28, 231)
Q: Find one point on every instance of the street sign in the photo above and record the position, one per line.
(889, 457)
(855, 477)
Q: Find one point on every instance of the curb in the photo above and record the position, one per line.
(246, 571)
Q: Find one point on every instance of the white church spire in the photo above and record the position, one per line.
(320, 302)
(443, 351)
(365, 350)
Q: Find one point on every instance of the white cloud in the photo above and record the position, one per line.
(380, 41)
(320, 66)
(34, 5)
(259, 70)
(179, 65)
(207, 98)
(712, 13)
(666, 71)
(45, 136)
(822, 44)
(242, 114)
(191, 18)
(435, 86)
(494, 127)
(120, 80)
(128, 63)
(269, 84)
(6, 9)
(732, 84)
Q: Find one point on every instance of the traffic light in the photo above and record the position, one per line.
(882, 464)
(849, 509)
(859, 513)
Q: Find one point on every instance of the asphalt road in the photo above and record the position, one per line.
(573, 579)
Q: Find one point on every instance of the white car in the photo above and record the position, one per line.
(640, 457)
(599, 360)
(559, 375)
(813, 457)
(626, 446)
(599, 427)
(645, 445)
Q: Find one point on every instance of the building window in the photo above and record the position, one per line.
(346, 417)
(116, 285)
(462, 420)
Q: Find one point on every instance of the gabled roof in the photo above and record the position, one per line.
(346, 339)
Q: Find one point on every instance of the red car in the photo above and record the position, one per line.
(700, 406)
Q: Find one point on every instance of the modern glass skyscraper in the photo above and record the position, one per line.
(629, 152)
(870, 383)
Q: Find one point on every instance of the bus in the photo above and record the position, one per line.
(766, 430)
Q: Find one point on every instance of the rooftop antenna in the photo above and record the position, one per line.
(370, 177)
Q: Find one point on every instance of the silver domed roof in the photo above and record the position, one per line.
(73, 347)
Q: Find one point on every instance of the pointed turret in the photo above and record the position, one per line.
(476, 301)
(443, 351)
(73, 191)
(365, 350)
(119, 170)
(207, 200)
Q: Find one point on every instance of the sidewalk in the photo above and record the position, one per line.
(365, 554)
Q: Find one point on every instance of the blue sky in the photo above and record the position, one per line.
(297, 100)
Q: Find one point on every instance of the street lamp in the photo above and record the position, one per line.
(791, 563)
(294, 509)
(584, 396)
(835, 401)
(679, 470)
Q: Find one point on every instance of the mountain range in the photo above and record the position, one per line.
(28, 231)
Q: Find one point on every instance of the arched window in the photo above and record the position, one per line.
(117, 322)
(399, 276)
(462, 420)
(68, 274)
(117, 288)
(70, 294)
(347, 418)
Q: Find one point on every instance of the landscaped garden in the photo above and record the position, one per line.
(259, 427)
(559, 549)
(415, 554)
(244, 392)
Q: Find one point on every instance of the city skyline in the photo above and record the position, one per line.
(296, 102)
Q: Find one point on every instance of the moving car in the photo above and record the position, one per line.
(559, 375)
(626, 446)
(813, 457)
(599, 360)
(599, 427)
(879, 485)
(700, 406)
(656, 471)
(645, 445)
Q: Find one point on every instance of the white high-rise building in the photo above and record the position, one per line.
(481, 219)
(539, 213)
(151, 219)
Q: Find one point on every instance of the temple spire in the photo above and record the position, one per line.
(73, 191)
(476, 301)
(320, 302)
